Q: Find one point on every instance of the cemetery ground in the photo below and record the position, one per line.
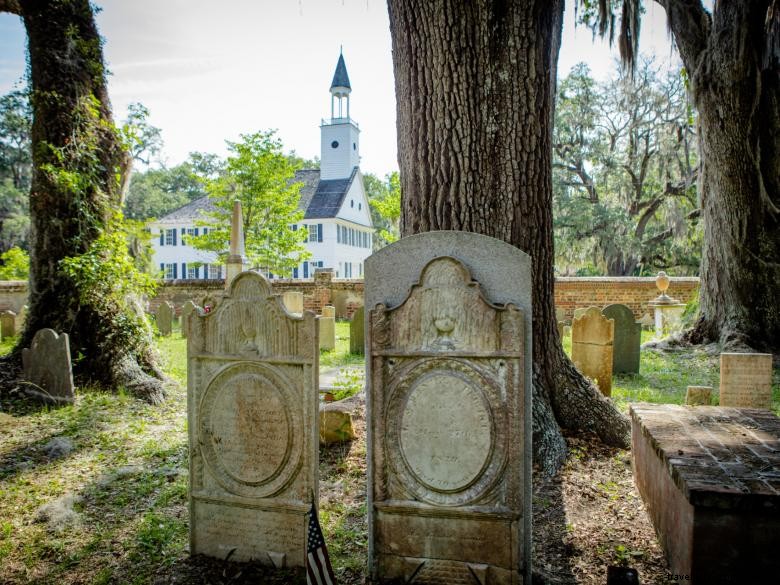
(96, 492)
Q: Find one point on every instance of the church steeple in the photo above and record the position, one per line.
(340, 90)
(339, 152)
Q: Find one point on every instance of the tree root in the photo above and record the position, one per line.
(127, 373)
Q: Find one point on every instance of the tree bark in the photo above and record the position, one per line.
(735, 85)
(78, 166)
(475, 87)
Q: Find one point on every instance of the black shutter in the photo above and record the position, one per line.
(174, 236)
(184, 270)
(319, 232)
(175, 276)
(162, 237)
(162, 269)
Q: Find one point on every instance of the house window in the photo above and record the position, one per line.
(192, 271)
(215, 271)
(313, 232)
(170, 271)
(170, 237)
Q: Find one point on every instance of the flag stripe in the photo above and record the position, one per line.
(314, 569)
(325, 563)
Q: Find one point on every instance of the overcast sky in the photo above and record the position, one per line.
(209, 71)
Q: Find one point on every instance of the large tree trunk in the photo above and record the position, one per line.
(475, 85)
(736, 89)
(78, 165)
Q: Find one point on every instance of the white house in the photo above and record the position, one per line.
(333, 199)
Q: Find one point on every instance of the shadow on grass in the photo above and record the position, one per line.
(551, 552)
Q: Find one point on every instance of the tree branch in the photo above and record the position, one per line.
(11, 6)
(690, 24)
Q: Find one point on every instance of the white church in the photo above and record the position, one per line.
(333, 199)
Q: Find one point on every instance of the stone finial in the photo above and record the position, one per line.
(662, 282)
(235, 261)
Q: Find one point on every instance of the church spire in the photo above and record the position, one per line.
(340, 82)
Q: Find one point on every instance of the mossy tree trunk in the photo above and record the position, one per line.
(79, 167)
(732, 57)
(475, 84)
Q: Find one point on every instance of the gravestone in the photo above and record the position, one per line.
(746, 380)
(186, 310)
(592, 336)
(7, 324)
(356, 333)
(628, 338)
(328, 328)
(560, 315)
(449, 410)
(579, 312)
(164, 318)
(48, 368)
(252, 415)
(561, 326)
(293, 300)
(698, 395)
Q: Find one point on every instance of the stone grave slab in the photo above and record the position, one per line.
(628, 339)
(592, 336)
(164, 318)
(7, 324)
(356, 333)
(186, 310)
(293, 300)
(252, 407)
(710, 480)
(746, 380)
(449, 410)
(47, 367)
(328, 328)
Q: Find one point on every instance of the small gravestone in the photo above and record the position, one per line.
(356, 333)
(164, 318)
(21, 318)
(746, 380)
(580, 311)
(293, 301)
(592, 336)
(561, 325)
(252, 404)
(48, 369)
(560, 315)
(328, 328)
(449, 390)
(628, 338)
(698, 395)
(7, 324)
(187, 309)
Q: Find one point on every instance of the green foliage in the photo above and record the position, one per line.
(258, 174)
(624, 174)
(14, 215)
(15, 129)
(385, 200)
(143, 141)
(14, 265)
(157, 192)
(348, 383)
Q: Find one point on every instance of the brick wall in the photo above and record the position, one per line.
(347, 295)
(634, 292)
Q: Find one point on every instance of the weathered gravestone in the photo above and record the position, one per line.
(7, 324)
(293, 300)
(628, 338)
(746, 380)
(698, 395)
(186, 310)
(591, 347)
(47, 367)
(164, 318)
(356, 333)
(449, 410)
(252, 401)
(328, 328)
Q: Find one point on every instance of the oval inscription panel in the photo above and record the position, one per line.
(250, 429)
(445, 432)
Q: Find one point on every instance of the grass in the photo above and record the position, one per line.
(117, 504)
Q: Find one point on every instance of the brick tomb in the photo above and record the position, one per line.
(710, 479)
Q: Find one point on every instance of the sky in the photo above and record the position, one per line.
(210, 71)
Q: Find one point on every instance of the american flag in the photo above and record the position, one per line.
(318, 569)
